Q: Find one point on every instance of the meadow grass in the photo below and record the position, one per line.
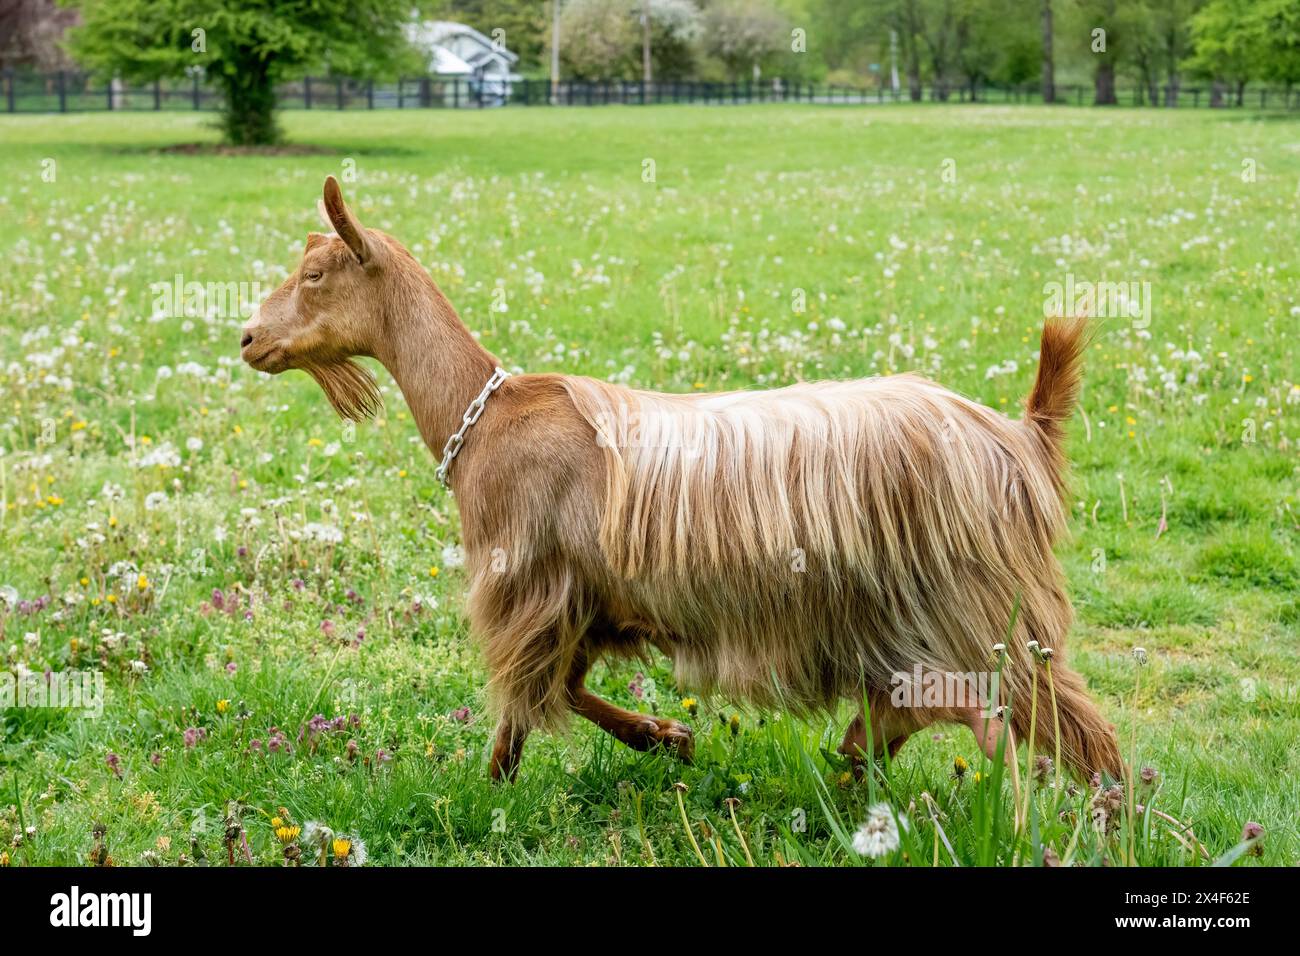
(275, 598)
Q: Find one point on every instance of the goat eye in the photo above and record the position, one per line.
(313, 276)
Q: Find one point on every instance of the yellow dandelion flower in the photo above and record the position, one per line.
(314, 442)
(85, 581)
(111, 599)
(289, 834)
(142, 582)
(342, 848)
(276, 823)
(223, 705)
(433, 572)
(112, 521)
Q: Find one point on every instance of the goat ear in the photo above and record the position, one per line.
(344, 223)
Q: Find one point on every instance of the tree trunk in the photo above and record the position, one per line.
(1049, 61)
(1216, 93)
(1105, 83)
(248, 117)
(1241, 92)
(914, 73)
(1173, 55)
(1171, 91)
(645, 45)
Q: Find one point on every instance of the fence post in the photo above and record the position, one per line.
(196, 91)
(9, 84)
(110, 95)
(455, 92)
(306, 92)
(63, 94)
(338, 89)
(157, 94)
(370, 94)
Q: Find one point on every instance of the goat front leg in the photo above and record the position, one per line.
(886, 738)
(638, 731)
(507, 750)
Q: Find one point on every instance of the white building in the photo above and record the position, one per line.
(458, 50)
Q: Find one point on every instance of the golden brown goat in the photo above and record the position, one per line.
(791, 547)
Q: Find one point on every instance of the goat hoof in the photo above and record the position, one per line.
(672, 735)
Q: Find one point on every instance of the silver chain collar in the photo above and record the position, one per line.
(454, 443)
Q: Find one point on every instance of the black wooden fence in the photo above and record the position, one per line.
(68, 92)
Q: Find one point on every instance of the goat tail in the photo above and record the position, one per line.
(1088, 743)
(1056, 388)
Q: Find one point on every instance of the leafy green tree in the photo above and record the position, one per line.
(1229, 45)
(1277, 25)
(245, 46)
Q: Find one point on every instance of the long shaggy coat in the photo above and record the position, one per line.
(790, 547)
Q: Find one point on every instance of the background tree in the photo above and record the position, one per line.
(599, 39)
(743, 34)
(245, 46)
(1049, 54)
(1230, 45)
(30, 31)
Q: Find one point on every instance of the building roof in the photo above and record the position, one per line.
(437, 35)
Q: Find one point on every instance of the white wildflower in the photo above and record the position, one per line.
(879, 835)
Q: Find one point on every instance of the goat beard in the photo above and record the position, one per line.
(350, 388)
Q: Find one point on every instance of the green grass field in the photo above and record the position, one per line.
(216, 543)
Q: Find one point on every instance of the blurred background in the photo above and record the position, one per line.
(247, 58)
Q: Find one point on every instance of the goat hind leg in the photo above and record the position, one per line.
(638, 731)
